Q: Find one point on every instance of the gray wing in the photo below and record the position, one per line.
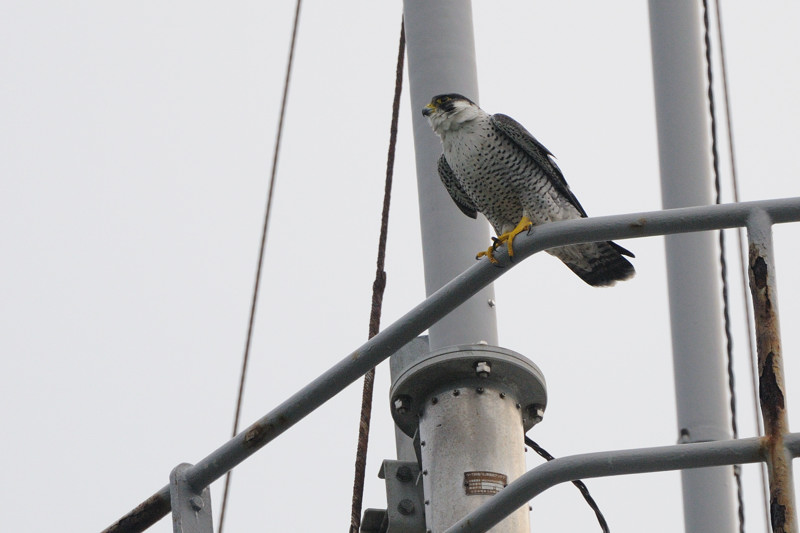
(454, 188)
(516, 133)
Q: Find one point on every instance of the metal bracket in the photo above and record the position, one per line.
(404, 500)
(191, 510)
(374, 521)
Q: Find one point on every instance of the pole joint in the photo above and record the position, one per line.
(191, 509)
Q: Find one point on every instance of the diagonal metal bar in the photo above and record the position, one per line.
(437, 305)
(772, 389)
(614, 463)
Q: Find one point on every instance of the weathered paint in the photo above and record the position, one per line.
(772, 388)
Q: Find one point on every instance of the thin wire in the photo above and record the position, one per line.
(742, 255)
(737, 469)
(268, 210)
(578, 483)
(378, 287)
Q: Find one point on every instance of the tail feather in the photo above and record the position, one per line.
(600, 264)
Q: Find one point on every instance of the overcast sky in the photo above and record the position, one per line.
(135, 150)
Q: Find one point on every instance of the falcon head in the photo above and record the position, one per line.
(449, 111)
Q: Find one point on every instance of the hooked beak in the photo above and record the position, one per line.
(428, 110)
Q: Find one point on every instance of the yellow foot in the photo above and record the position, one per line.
(524, 225)
(488, 253)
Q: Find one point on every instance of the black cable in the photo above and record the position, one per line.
(737, 469)
(237, 414)
(748, 315)
(578, 483)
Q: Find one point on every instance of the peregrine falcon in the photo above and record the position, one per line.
(492, 165)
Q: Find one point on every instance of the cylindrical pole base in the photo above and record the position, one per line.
(471, 441)
(469, 408)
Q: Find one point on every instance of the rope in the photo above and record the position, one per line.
(245, 359)
(742, 262)
(737, 469)
(578, 483)
(378, 287)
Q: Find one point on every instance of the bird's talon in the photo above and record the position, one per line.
(488, 253)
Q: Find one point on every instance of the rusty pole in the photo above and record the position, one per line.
(772, 391)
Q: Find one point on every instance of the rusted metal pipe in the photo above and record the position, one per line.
(436, 306)
(772, 390)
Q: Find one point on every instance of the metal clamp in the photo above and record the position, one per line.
(404, 500)
(191, 510)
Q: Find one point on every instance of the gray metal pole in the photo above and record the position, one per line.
(441, 59)
(692, 263)
(452, 427)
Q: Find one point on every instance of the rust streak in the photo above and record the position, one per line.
(771, 387)
(770, 392)
(639, 223)
(777, 514)
(759, 271)
(258, 433)
(143, 516)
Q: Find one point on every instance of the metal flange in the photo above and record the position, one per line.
(476, 366)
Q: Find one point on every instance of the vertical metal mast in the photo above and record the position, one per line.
(683, 142)
(468, 403)
(441, 59)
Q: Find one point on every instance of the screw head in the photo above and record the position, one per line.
(404, 474)
(483, 368)
(196, 502)
(406, 507)
(402, 404)
(536, 412)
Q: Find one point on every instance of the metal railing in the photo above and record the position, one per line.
(615, 463)
(188, 483)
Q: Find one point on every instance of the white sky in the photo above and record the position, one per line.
(135, 149)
